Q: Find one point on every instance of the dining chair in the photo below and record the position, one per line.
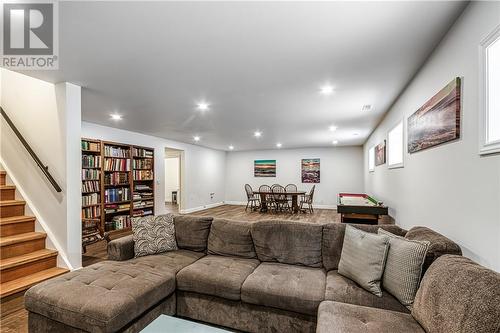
(268, 198)
(280, 198)
(252, 200)
(308, 200)
(290, 188)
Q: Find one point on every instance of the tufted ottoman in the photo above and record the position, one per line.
(105, 297)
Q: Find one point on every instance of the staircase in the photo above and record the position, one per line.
(24, 260)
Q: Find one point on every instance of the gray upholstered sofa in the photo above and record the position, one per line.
(269, 276)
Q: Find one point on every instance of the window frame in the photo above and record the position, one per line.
(402, 163)
(371, 154)
(485, 147)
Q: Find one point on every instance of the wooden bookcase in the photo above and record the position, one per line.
(125, 186)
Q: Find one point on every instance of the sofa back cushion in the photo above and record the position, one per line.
(191, 232)
(458, 295)
(438, 244)
(333, 240)
(288, 242)
(231, 238)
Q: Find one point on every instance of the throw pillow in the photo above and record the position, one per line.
(363, 258)
(153, 234)
(403, 267)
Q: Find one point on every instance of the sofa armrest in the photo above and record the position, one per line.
(121, 248)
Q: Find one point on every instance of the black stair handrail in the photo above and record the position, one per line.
(44, 168)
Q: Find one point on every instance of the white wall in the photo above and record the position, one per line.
(49, 118)
(449, 188)
(204, 168)
(341, 170)
(171, 177)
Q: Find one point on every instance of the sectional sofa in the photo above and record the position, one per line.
(268, 276)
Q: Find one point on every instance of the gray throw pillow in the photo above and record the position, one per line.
(153, 234)
(363, 258)
(403, 267)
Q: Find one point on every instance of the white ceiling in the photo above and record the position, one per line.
(259, 64)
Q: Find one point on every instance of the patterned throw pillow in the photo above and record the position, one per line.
(363, 258)
(153, 234)
(403, 267)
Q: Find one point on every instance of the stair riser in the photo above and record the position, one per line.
(2, 179)
(18, 249)
(16, 228)
(14, 210)
(26, 269)
(7, 194)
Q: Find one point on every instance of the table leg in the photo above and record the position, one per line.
(295, 205)
(263, 203)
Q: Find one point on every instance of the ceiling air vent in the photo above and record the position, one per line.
(366, 107)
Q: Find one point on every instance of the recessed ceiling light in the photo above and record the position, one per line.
(231, 147)
(278, 145)
(332, 128)
(335, 142)
(196, 138)
(326, 89)
(115, 116)
(203, 106)
(366, 107)
(257, 134)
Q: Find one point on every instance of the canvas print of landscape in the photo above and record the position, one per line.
(437, 121)
(380, 153)
(264, 168)
(310, 170)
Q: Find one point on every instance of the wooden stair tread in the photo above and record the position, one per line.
(26, 258)
(3, 172)
(9, 240)
(5, 203)
(25, 282)
(16, 219)
(7, 187)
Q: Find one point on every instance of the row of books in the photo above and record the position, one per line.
(118, 222)
(90, 199)
(90, 186)
(91, 212)
(143, 175)
(116, 194)
(142, 204)
(142, 187)
(143, 212)
(90, 174)
(142, 195)
(143, 164)
(87, 145)
(139, 152)
(88, 226)
(116, 151)
(91, 161)
(116, 164)
(116, 208)
(116, 178)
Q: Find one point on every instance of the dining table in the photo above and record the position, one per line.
(293, 194)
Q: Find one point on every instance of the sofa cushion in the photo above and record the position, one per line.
(172, 261)
(335, 317)
(403, 267)
(153, 234)
(341, 289)
(231, 238)
(363, 258)
(288, 242)
(333, 240)
(191, 232)
(438, 244)
(217, 276)
(105, 296)
(286, 287)
(458, 295)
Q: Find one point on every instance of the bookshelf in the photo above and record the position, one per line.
(119, 184)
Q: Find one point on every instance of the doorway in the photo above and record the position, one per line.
(173, 180)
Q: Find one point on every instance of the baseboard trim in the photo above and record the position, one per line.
(199, 208)
(243, 203)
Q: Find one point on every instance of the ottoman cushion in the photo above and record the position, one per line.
(102, 297)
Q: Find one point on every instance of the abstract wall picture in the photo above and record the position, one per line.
(310, 170)
(264, 168)
(437, 121)
(380, 153)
